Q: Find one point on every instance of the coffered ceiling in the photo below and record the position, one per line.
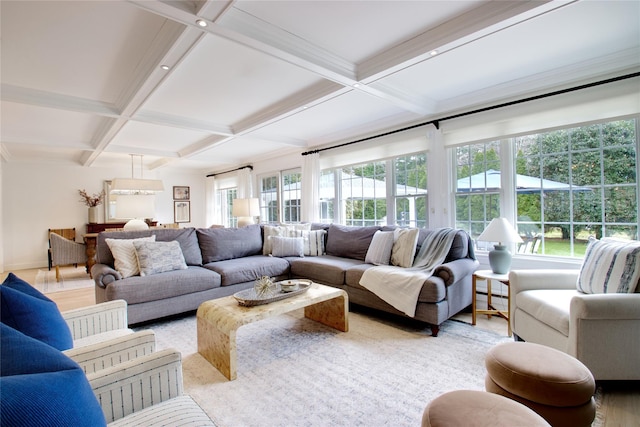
(83, 81)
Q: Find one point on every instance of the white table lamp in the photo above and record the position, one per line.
(246, 210)
(500, 231)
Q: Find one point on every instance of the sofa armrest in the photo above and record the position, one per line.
(524, 280)
(605, 306)
(103, 275)
(95, 319)
(453, 271)
(109, 353)
(142, 382)
(611, 323)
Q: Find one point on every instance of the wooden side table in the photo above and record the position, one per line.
(91, 240)
(489, 275)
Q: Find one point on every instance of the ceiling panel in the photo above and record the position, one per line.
(150, 137)
(224, 82)
(355, 30)
(27, 124)
(85, 49)
(570, 35)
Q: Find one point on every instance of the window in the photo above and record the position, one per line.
(225, 201)
(291, 195)
(478, 186)
(269, 199)
(569, 184)
(410, 194)
(377, 193)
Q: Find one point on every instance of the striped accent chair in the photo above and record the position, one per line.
(161, 399)
(66, 252)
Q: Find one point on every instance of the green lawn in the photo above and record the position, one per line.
(561, 247)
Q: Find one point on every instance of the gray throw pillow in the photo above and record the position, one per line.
(349, 241)
(218, 244)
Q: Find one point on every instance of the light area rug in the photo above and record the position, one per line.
(293, 371)
(70, 278)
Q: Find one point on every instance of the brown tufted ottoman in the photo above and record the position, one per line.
(552, 383)
(472, 408)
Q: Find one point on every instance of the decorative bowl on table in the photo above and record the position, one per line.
(289, 285)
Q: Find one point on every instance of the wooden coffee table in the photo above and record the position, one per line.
(219, 319)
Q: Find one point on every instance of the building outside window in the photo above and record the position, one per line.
(383, 192)
(570, 184)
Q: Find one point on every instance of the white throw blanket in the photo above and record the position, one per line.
(400, 287)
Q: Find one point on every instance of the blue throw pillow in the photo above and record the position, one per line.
(43, 387)
(27, 310)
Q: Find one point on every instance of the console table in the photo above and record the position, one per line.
(98, 227)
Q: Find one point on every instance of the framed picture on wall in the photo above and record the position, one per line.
(180, 193)
(181, 211)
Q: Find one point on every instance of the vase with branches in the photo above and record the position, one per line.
(92, 201)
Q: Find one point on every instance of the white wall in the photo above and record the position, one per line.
(39, 196)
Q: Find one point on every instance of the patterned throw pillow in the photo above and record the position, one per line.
(314, 242)
(404, 246)
(379, 252)
(158, 257)
(124, 255)
(287, 246)
(610, 266)
(269, 231)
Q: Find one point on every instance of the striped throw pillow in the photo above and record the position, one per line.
(404, 246)
(610, 266)
(286, 246)
(379, 252)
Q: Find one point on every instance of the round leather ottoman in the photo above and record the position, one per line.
(472, 408)
(555, 385)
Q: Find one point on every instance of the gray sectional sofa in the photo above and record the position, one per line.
(222, 261)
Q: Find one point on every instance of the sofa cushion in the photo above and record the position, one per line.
(404, 246)
(349, 241)
(550, 307)
(247, 269)
(124, 254)
(610, 266)
(434, 291)
(159, 257)
(287, 246)
(138, 289)
(188, 242)
(379, 252)
(326, 269)
(219, 244)
(27, 310)
(43, 387)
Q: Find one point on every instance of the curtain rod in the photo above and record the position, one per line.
(436, 122)
(232, 170)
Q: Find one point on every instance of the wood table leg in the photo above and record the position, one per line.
(333, 312)
(218, 347)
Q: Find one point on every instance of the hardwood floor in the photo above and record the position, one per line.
(621, 399)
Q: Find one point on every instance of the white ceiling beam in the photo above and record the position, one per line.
(163, 119)
(486, 19)
(39, 98)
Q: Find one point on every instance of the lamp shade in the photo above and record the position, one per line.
(246, 210)
(501, 231)
(136, 186)
(246, 207)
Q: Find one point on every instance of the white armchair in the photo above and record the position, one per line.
(160, 399)
(600, 330)
(101, 338)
